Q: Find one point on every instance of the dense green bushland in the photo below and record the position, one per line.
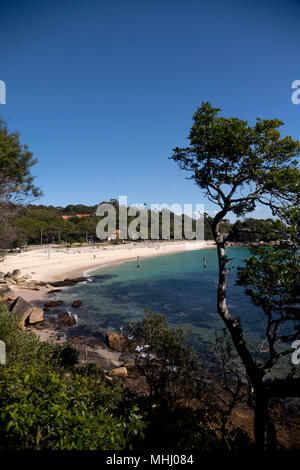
(45, 403)
(44, 223)
(43, 409)
(169, 365)
(35, 223)
(48, 402)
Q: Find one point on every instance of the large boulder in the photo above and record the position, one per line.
(77, 303)
(119, 342)
(22, 309)
(36, 315)
(6, 293)
(16, 273)
(118, 372)
(4, 289)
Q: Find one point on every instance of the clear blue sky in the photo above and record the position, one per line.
(103, 90)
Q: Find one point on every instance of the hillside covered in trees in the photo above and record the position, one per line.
(36, 224)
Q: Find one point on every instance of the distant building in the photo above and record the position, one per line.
(79, 216)
(114, 236)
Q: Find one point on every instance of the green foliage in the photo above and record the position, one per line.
(179, 427)
(185, 412)
(238, 166)
(32, 220)
(226, 155)
(16, 182)
(46, 405)
(272, 280)
(22, 347)
(167, 362)
(271, 277)
(255, 230)
(15, 164)
(66, 356)
(42, 409)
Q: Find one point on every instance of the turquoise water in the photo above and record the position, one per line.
(175, 285)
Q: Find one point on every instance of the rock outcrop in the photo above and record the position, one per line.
(53, 303)
(16, 274)
(27, 313)
(119, 342)
(36, 315)
(6, 292)
(119, 372)
(22, 309)
(65, 319)
(68, 281)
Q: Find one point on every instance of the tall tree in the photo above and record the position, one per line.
(16, 181)
(238, 166)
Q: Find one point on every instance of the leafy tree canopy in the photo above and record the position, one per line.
(16, 181)
(229, 158)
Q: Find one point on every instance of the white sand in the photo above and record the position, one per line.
(54, 263)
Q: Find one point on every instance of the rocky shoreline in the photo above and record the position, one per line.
(115, 354)
(50, 321)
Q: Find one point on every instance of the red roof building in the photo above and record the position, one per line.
(79, 216)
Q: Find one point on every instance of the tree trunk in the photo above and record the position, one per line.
(264, 429)
(254, 372)
(260, 418)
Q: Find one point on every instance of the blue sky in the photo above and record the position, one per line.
(102, 91)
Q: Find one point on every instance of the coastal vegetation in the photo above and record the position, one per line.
(24, 223)
(16, 181)
(50, 401)
(36, 224)
(238, 166)
(46, 403)
(168, 364)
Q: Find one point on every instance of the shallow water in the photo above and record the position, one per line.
(175, 285)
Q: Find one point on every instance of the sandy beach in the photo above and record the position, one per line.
(55, 263)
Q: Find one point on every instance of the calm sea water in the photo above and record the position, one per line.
(175, 285)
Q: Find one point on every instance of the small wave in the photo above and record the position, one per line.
(72, 315)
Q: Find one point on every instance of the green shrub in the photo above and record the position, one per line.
(45, 404)
(169, 365)
(22, 346)
(66, 356)
(43, 409)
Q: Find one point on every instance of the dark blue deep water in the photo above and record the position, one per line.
(175, 285)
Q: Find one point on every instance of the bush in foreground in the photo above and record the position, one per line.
(47, 404)
(44, 409)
